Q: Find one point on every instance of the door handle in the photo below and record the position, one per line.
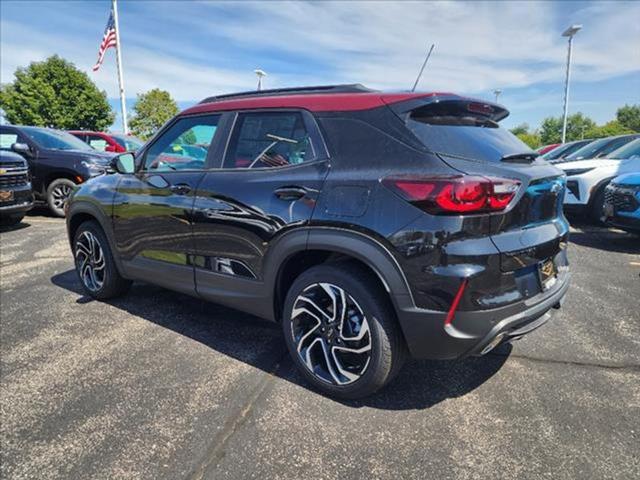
(180, 188)
(290, 193)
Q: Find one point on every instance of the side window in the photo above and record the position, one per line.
(7, 139)
(184, 146)
(97, 142)
(270, 139)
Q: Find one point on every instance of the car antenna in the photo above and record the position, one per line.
(423, 65)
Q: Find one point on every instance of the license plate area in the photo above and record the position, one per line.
(548, 274)
(6, 196)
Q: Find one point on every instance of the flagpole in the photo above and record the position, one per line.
(123, 106)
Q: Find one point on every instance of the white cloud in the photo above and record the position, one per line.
(479, 46)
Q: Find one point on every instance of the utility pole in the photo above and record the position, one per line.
(123, 106)
(497, 93)
(569, 32)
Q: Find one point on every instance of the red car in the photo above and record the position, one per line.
(109, 142)
(547, 148)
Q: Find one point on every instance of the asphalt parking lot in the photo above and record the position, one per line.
(160, 385)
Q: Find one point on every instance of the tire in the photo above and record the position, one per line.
(596, 208)
(94, 262)
(58, 192)
(11, 220)
(309, 333)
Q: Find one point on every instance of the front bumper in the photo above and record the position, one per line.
(427, 338)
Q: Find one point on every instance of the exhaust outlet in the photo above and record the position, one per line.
(492, 344)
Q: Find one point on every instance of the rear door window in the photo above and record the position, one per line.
(450, 130)
(268, 140)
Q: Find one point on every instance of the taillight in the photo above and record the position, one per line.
(460, 194)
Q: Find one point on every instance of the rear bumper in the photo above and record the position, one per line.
(427, 337)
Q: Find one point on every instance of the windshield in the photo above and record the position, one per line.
(128, 142)
(599, 148)
(466, 137)
(564, 150)
(631, 149)
(55, 139)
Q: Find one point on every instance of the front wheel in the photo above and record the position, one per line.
(95, 265)
(58, 193)
(341, 331)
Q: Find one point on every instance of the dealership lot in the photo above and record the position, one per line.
(160, 385)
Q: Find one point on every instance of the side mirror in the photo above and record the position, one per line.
(124, 163)
(22, 149)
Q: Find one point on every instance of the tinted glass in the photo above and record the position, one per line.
(465, 136)
(614, 145)
(7, 139)
(128, 142)
(631, 149)
(597, 148)
(565, 150)
(184, 146)
(274, 139)
(54, 139)
(97, 143)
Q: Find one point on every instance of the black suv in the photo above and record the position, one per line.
(16, 198)
(370, 225)
(57, 161)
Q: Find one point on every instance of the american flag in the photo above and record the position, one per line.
(108, 41)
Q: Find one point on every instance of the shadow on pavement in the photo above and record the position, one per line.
(13, 228)
(419, 385)
(607, 239)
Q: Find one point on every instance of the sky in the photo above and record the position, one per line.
(195, 49)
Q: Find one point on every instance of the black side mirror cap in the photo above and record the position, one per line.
(124, 163)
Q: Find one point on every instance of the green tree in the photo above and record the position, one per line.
(523, 128)
(614, 127)
(531, 139)
(629, 117)
(54, 93)
(577, 126)
(152, 110)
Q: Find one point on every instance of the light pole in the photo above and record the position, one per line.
(569, 32)
(260, 74)
(497, 93)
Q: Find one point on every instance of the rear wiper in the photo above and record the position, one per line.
(526, 157)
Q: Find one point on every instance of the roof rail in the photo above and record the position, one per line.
(346, 88)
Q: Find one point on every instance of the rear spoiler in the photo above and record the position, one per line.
(451, 105)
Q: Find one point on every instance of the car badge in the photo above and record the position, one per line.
(2, 171)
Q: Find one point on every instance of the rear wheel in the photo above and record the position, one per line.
(341, 331)
(95, 266)
(58, 193)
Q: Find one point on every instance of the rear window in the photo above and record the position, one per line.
(464, 135)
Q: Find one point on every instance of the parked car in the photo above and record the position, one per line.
(600, 148)
(547, 148)
(57, 161)
(587, 179)
(622, 203)
(565, 149)
(370, 225)
(108, 142)
(16, 198)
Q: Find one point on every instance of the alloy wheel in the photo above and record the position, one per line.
(60, 194)
(90, 261)
(331, 334)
